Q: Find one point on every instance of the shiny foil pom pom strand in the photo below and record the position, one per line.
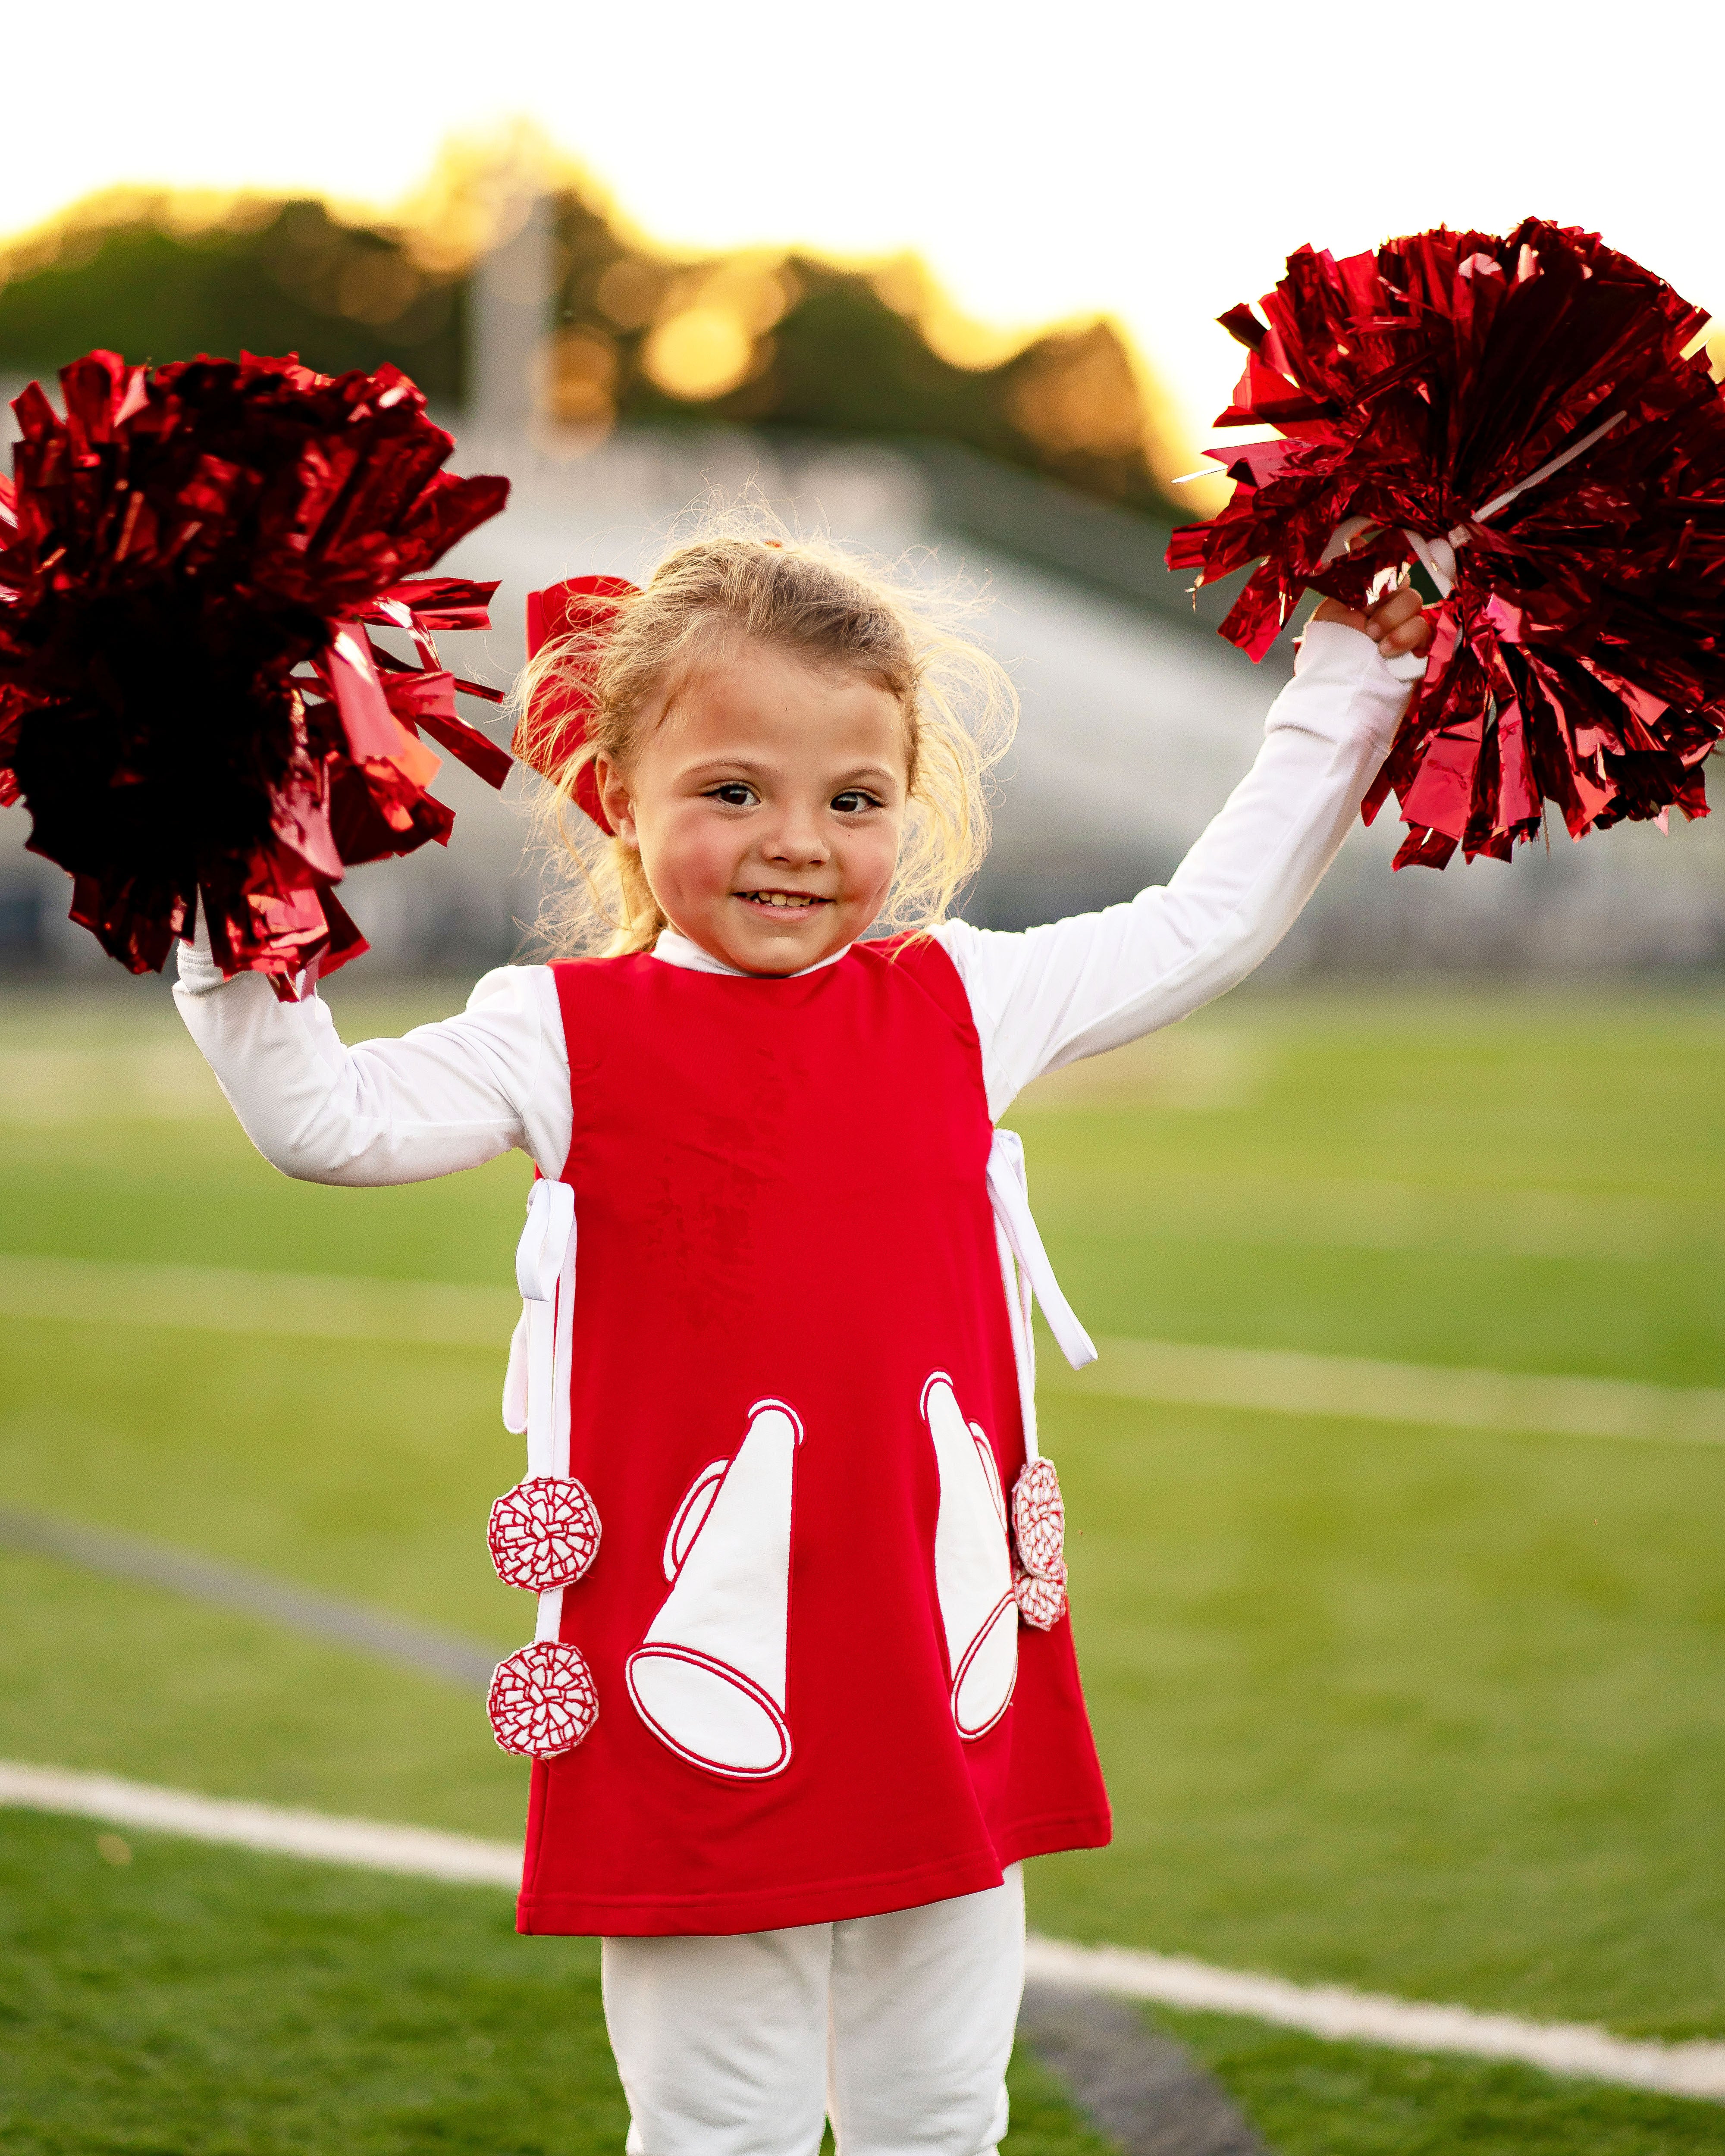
(542, 1701)
(1038, 1520)
(194, 710)
(543, 1533)
(1531, 418)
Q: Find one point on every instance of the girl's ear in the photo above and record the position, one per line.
(614, 799)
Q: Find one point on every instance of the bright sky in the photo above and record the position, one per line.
(1151, 162)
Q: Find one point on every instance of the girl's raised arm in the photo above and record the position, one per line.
(1057, 994)
(442, 1097)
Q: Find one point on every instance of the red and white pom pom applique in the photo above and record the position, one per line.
(1038, 1520)
(542, 1701)
(1041, 1602)
(543, 1533)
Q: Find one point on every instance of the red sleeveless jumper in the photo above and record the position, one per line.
(794, 1401)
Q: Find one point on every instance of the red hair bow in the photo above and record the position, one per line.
(555, 723)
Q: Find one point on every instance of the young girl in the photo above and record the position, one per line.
(826, 1700)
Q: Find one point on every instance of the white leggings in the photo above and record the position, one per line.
(897, 2027)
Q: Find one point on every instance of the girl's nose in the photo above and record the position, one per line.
(797, 840)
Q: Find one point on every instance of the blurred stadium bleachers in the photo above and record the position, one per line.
(1136, 717)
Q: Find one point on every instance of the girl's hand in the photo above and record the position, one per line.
(1396, 624)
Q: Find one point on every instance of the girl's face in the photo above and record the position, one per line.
(767, 809)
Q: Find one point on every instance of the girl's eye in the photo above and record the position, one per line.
(733, 793)
(853, 801)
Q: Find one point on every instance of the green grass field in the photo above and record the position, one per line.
(1431, 1712)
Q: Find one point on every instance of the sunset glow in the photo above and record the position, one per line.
(1151, 165)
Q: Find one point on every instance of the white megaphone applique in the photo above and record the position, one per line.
(709, 1678)
(973, 1564)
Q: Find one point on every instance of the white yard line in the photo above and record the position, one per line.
(1339, 2015)
(422, 1852)
(1325, 2010)
(1278, 1381)
(220, 1299)
(1175, 1373)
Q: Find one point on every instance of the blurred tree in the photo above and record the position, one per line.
(797, 344)
(272, 277)
(756, 341)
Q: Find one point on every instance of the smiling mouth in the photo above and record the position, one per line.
(783, 901)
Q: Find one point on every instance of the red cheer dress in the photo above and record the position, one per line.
(794, 1399)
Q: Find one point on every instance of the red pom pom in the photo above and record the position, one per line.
(191, 700)
(580, 614)
(543, 1699)
(543, 1533)
(1525, 406)
(1038, 1520)
(1042, 1602)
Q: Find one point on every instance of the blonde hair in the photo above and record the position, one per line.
(736, 582)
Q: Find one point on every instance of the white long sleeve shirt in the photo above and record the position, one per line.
(460, 1092)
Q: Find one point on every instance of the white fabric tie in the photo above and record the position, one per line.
(1009, 1194)
(536, 1392)
(545, 1240)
